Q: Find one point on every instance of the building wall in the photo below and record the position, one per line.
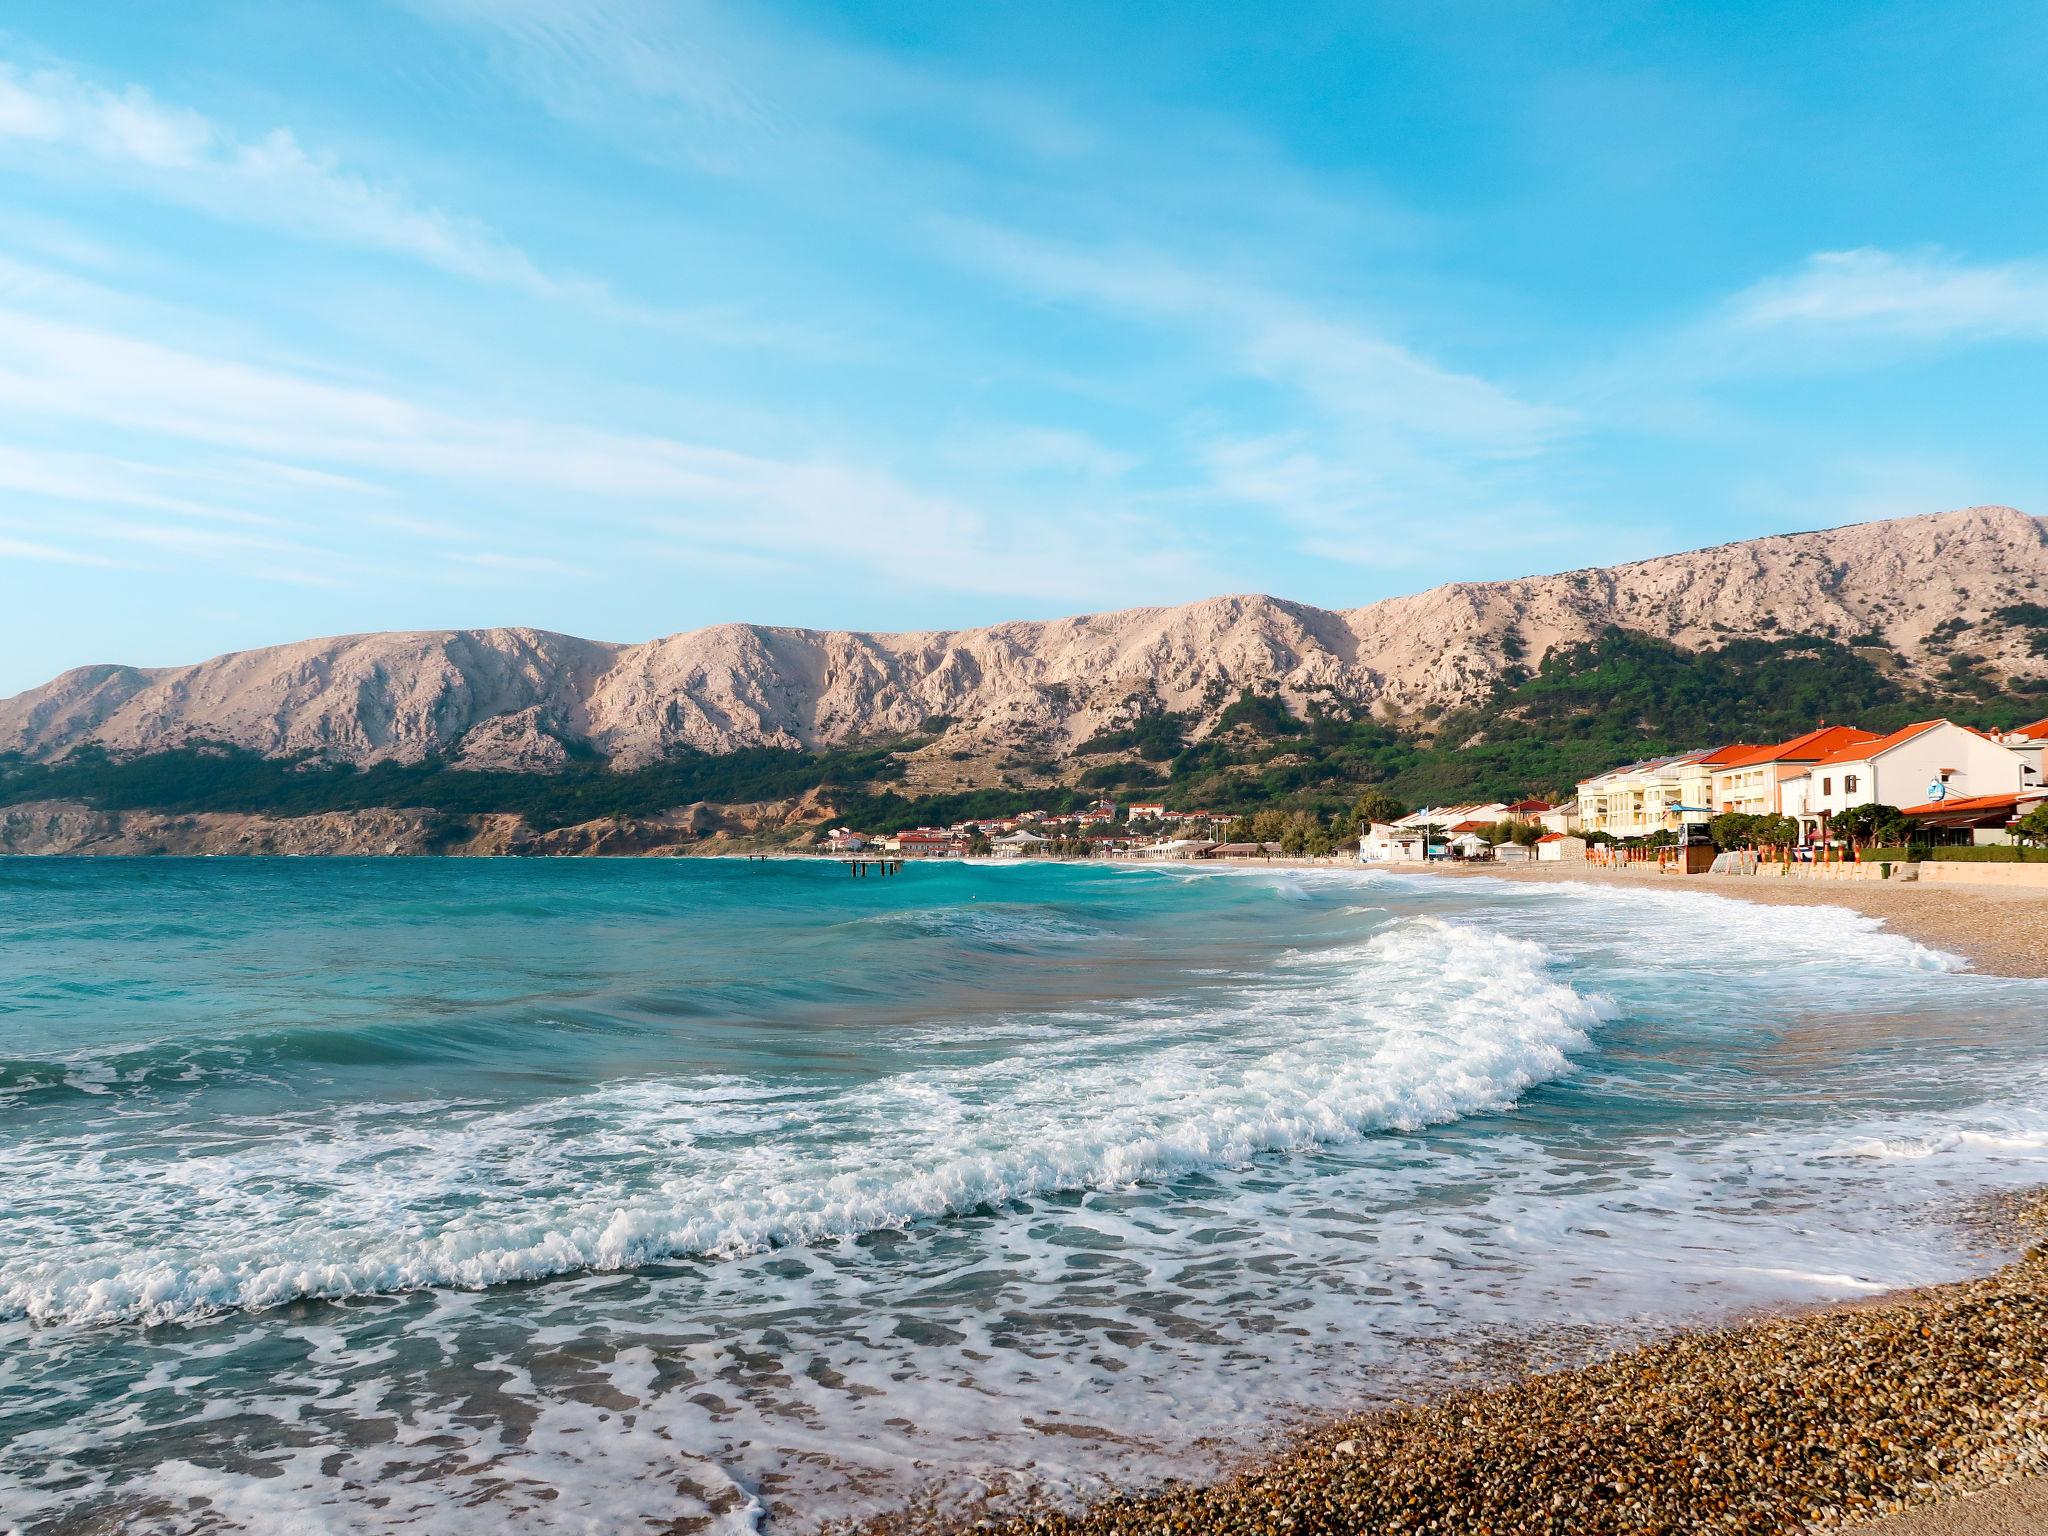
(1630, 804)
(1975, 765)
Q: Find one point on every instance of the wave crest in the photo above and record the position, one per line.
(1426, 1022)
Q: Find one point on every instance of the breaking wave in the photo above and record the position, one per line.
(1426, 1022)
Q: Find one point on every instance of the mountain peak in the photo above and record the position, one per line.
(513, 697)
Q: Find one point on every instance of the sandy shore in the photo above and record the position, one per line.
(1919, 1414)
(2002, 932)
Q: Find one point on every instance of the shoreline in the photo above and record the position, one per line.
(1921, 1412)
(2001, 932)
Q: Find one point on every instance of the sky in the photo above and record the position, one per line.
(622, 317)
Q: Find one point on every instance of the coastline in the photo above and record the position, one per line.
(1916, 1413)
(2000, 932)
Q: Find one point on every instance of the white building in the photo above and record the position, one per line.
(1012, 844)
(2031, 742)
(1387, 842)
(1928, 762)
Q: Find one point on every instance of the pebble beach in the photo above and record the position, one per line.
(1914, 1415)
(1919, 1413)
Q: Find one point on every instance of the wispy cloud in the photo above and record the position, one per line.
(335, 437)
(54, 121)
(35, 549)
(1926, 295)
(1346, 367)
(271, 179)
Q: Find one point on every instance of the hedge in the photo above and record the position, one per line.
(1991, 853)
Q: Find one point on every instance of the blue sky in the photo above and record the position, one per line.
(621, 317)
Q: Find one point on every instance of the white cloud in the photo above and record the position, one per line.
(272, 179)
(1351, 371)
(1928, 295)
(32, 549)
(58, 123)
(711, 498)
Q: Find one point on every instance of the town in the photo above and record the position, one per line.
(1834, 796)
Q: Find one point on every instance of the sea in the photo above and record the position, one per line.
(452, 1196)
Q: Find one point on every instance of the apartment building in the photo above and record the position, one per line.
(1751, 780)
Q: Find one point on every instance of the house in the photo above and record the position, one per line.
(1926, 763)
(1145, 813)
(1015, 844)
(1402, 841)
(1560, 820)
(1750, 780)
(925, 842)
(1179, 848)
(840, 840)
(1389, 843)
(1558, 847)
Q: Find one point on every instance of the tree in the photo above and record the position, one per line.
(1776, 831)
(1734, 829)
(2033, 827)
(1376, 805)
(1512, 829)
(1863, 825)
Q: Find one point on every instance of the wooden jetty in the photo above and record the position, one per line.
(859, 865)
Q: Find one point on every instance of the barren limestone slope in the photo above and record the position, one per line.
(512, 697)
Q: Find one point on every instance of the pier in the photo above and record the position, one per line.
(887, 864)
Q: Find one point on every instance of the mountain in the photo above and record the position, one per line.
(1927, 598)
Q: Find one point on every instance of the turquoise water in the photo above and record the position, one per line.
(594, 1195)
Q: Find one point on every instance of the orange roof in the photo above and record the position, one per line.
(1720, 757)
(2038, 731)
(1966, 803)
(1811, 747)
(1870, 746)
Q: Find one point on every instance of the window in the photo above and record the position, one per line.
(1827, 786)
(1849, 784)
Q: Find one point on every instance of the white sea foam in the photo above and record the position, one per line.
(1425, 1023)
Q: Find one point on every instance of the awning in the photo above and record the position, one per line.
(1974, 810)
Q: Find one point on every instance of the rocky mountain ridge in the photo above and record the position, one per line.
(526, 699)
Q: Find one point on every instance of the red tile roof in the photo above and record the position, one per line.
(1816, 744)
(2038, 731)
(1870, 746)
(1965, 803)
